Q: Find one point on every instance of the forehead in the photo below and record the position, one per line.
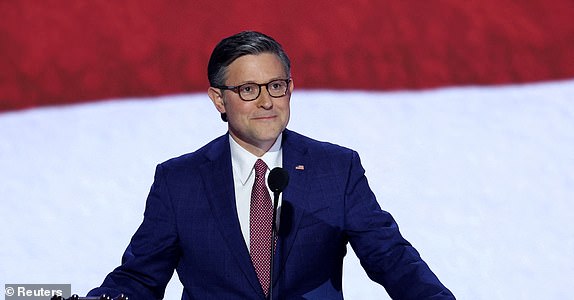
(255, 68)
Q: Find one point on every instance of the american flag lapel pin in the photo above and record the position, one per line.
(300, 167)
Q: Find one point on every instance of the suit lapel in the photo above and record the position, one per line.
(294, 162)
(218, 177)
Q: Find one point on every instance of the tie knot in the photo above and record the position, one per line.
(260, 168)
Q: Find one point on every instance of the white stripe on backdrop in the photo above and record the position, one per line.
(480, 180)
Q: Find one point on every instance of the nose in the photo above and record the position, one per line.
(265, 101)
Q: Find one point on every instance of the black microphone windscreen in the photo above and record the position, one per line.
(278, 179)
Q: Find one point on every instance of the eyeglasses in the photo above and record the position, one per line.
(250, 91)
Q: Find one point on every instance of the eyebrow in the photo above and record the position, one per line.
(253, 81)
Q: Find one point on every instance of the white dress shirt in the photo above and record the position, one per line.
(243, 164)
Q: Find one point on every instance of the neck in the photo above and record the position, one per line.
(258, 149)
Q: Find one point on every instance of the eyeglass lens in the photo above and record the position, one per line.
(250, 91)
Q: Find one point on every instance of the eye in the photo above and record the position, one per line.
(277, 85)
(248, 88)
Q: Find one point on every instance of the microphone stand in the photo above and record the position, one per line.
(273, 237)
(278, 180)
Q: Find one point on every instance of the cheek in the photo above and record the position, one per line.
(238, 112)
(234, 107)
(285, 108)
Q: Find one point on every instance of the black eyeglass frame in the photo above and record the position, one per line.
(236, 88)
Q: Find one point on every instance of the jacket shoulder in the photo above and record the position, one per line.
(196, 158)
(313, 145)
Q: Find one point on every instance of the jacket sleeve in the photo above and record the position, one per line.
(153, 253)
(386, 256)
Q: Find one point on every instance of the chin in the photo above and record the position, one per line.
(270, 135)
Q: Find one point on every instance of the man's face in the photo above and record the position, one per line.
(256, 124)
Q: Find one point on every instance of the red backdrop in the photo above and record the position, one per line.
(55, 52)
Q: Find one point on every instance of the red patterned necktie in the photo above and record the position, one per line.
(261, 215)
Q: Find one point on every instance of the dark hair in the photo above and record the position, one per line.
(235, 46)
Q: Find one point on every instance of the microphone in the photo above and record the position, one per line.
(277, 181)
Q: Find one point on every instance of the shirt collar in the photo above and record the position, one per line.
(243, 161)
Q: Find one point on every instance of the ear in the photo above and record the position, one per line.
(216, 96)
(291, 86)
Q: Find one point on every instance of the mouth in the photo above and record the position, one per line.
(264, 118)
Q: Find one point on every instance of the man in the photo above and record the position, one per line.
(208, 213)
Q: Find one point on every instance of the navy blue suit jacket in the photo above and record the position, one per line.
(191, 225)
